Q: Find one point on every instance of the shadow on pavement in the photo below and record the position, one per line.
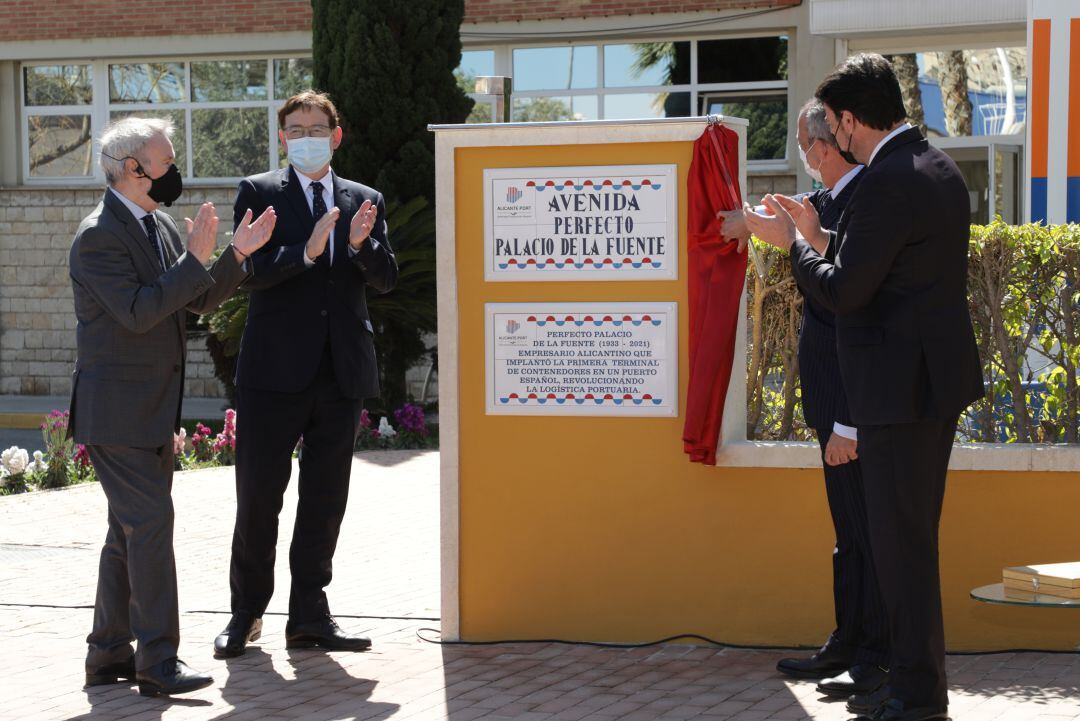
(321, 687)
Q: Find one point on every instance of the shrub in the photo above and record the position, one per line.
(1024, 298)
(59, 449)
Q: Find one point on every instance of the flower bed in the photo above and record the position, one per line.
(64, 462)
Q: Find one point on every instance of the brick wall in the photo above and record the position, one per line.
(511, 10)
(37, 318)
(70, 19)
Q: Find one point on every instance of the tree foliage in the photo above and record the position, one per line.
(389, 66)
(1024, 298)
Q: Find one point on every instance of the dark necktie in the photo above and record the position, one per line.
(318, 210)
(152, 233)
(824, 202)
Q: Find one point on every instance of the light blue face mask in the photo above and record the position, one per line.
(309, 155)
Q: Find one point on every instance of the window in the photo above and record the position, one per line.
(475, 63)
(225, 112)
(743, 76)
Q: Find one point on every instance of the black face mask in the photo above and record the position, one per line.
(847, 155)
(165, 188)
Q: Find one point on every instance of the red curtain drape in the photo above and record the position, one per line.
(716, 278)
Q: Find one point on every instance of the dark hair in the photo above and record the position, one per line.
(866, 86)
(309, 100)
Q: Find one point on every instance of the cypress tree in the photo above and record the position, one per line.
(389, 67)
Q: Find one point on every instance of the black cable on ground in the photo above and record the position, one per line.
(706, 639)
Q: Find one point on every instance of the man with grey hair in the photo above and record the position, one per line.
(850, 661)
(133, 284)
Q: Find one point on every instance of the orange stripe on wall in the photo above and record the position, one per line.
(1074, 99)
(1039, 105)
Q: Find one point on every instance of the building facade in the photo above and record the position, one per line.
(219, 68)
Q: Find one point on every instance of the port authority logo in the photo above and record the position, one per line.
(509, 335)
(516, 203)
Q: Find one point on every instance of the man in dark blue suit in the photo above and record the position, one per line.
(851, 660)
(307, 361)
(908, 356)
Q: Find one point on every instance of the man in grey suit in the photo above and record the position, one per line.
(133, 284)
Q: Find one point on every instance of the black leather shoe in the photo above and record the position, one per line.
(896, 710)
(171, 676)
(113, 673)
(242, 630)
(866, 705)
(863, 678)
(823, 664)
(324, 633)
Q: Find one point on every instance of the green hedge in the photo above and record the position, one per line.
(1024, 296)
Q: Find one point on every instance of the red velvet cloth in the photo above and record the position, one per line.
(716, 278)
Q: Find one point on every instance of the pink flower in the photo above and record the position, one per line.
(365, 419)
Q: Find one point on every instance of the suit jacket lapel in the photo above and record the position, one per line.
(170, 242)
(347, 207)
(134, 233)
(291, 188)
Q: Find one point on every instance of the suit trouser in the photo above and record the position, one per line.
(862, 628)
(269, 424)
(136, 590)
(904, 467)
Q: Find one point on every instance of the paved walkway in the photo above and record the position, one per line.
(386, 585)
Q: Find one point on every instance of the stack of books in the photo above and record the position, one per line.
(1061, 580)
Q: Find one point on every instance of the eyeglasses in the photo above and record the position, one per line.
(294, 132)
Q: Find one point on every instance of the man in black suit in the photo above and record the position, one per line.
(908, 356)
(852, 658)
(306, 363)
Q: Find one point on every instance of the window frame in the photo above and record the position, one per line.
(101, 107)
(504, 65)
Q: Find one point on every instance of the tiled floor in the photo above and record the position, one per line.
(386, 585)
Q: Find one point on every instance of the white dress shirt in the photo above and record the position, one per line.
(901, 128)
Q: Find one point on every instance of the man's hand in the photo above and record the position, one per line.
(249, 237)
(361, 224)
(840, 450)
(202, 233)
(777, 229)
(317, 242)
(733, 227)
(806, 219)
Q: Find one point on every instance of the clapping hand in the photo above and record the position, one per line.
(777, 228)
(249, 237)
(361, 225)
(202, 233)
(317, 242)
(806, 219)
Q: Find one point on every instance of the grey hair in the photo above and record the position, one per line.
(125, 138)
(817, 127)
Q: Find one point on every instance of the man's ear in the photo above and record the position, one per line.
(135, 168)
(335, 137)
